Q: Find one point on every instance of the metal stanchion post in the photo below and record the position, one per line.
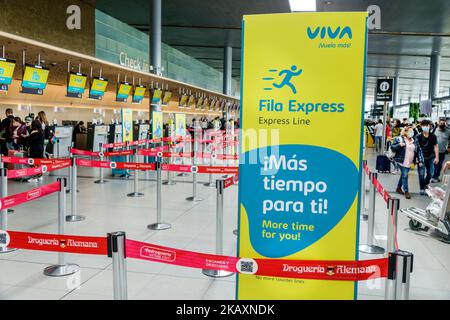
(62, 268)
(4, 213)
(183, 159)
(6, 194)
(211, 163)
(194, 177)
(393, 207)
(136, 192)
(116, 251)
(169, 181)
(74, 217)
(102, 157)
(364, 215)
(220, 186)
(370, 247)
(400, 267)
(159, 225)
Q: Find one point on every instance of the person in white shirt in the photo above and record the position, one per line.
(378, 135)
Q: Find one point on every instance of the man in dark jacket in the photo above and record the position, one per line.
(6, 139)
(429, 145)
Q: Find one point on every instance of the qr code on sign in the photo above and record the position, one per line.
(247, 266)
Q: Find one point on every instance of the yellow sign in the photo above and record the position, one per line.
(127, 125)
(98, 86)
(77, 83)
(299, 174)
(157, 125)
(180, 124)
(167, 97)
(35, 78)
(124, 91)
(6, 71)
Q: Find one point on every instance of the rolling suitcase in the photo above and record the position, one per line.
(383, 164)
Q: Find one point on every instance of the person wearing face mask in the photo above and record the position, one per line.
(407, 152)
(429, 145)
(443, 136)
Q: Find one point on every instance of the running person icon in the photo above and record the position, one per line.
(289, 74)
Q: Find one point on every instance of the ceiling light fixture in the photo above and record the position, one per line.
(302, 5)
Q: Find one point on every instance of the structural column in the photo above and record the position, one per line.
(395, 98)
(155, 36)
(435, 67)
(227, 69)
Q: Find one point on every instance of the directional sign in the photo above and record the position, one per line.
(385, 89)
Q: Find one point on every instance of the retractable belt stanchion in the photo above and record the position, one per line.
(159, 225)
(194, 170)
(102, 157)
(136, 192)
(170, 181)
(400, 267)
(74, 217)
(4, 213)
(62, 268)
(9, 211)
(370, 247)
(116, 251)
(220, 186)
(183, 159)
(364, 215)
(211, 163)
(393, 207)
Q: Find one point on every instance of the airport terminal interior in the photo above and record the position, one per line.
(127, 136)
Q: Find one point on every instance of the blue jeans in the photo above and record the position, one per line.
(426, 171)
(378, 141)
(403, 181)
(438, 168)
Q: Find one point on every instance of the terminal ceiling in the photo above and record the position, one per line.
(411, 31)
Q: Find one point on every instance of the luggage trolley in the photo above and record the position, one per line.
(436, 216)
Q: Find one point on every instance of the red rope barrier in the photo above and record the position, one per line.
(30, 195)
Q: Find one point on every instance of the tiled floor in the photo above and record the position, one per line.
(108, 209)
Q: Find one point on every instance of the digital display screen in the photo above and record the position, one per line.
(167, 97)
(35, 77)
(200, 103)
(183, 101)
(157, 94)
(191, 101)
(6, 70)
(98, 87)
(77, 83)
(139, 93)
(124, 91)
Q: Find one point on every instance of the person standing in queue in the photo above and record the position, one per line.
(396, 129)
(378, 135)
(443, 137)
(6, 139)
(35, 143)
(429, 145)
(407, 152)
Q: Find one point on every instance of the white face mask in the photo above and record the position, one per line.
(411, 134)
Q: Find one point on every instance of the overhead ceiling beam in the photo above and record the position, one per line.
(147, 28)
(198, 46)
(414, 34)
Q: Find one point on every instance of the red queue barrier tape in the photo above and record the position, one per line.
(115, 165)
(176, 168)
(118, 153)
(32, 161)
(381, 190)
(324, 270)
(84, 152)
(301, 269)
(227, 170)
(58, 243)
(30, 195)
(26, 172)
(231, 181)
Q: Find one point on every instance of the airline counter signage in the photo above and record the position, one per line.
(180, 124)
(157, 125)
(302, 112)
(127, 125)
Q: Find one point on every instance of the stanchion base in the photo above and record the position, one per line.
(159, 226)
(183, 174)
(371, 249)
(135, 195)
(212, 184)
(169, 183)
(217, 273)
(61, 270)
(235, 232)
(194, 199)
(7, 250)
(100, 181)
(75, 218)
